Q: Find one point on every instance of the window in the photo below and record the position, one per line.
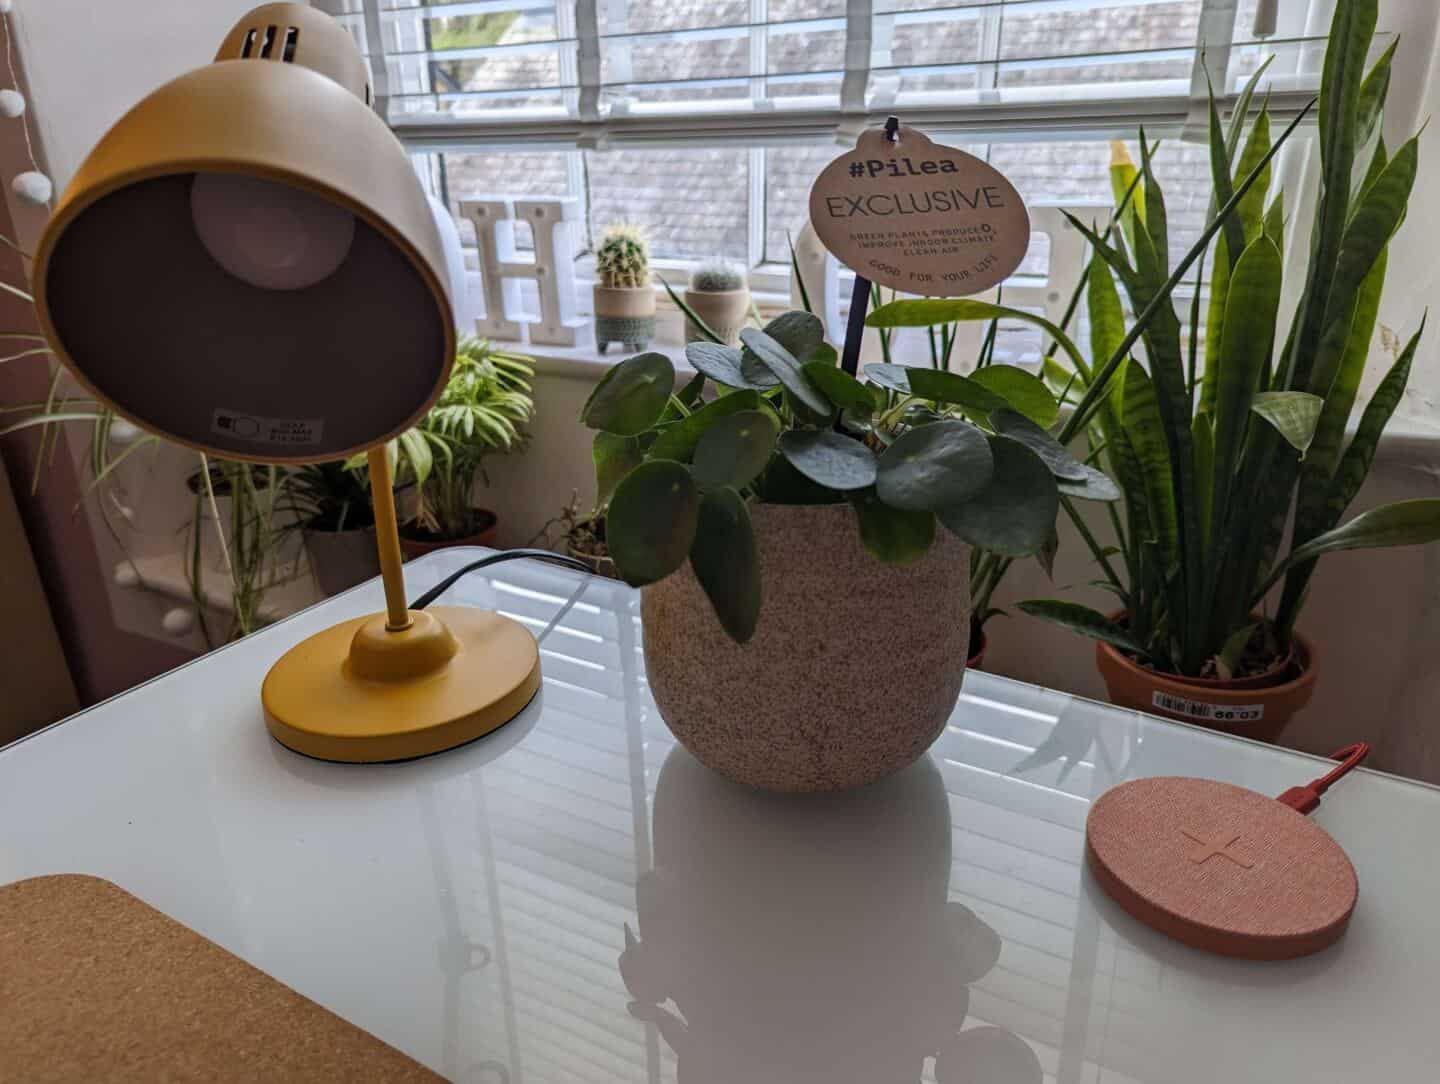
(707, 120)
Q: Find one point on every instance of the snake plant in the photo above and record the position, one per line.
(1214, 459)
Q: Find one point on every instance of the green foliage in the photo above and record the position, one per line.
(622, 259)
(1208, 485)
(480, 412)
(787, 427)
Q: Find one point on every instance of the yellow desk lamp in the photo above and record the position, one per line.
(246, 264)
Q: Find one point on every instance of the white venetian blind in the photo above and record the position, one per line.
(570, 73)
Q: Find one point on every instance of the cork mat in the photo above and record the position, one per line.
(95, 985)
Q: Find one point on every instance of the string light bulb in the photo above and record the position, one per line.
(32, 186)
(12, 103)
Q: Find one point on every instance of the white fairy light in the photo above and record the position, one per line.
(32, 185)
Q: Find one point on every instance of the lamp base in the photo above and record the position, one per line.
(359, 692)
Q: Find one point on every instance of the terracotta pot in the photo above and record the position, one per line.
(624, 315)
(412, 548)
(852, 672)
(724, 312)
(1247, 707)
(341, 559)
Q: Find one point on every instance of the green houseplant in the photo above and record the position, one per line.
(804, 514)
(331, 504)
(718, 295)
(1217, 448)
(485, 402)
(624, 298)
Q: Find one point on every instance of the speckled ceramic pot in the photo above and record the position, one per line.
(851, 674)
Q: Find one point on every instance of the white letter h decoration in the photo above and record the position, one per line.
(502, 268)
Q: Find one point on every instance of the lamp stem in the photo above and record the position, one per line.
(387, 539)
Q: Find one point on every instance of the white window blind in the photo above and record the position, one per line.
(602, 73)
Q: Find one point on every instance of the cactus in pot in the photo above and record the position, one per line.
(717, 294)
(624, 299)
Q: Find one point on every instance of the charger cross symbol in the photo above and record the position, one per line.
(1219, 844)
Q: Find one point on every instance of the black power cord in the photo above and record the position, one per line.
(494, 559)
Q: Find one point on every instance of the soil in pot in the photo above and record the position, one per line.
(416, 542)
(1257, 706)
(852, 673)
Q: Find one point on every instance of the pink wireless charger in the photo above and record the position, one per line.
(1223, 868)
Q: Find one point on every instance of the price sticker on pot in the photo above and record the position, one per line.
(920, 217)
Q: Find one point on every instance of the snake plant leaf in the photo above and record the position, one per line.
(829, 459)
(842, 389)
(1223, 185)
(1024, 391)
(1081, 619)
(1251, 208)
(678, 441)
(892, 535)
(1275, 220)
(1249, 332)
(1404, 523)
(1057, 457)
(1355, 464)
(734, 450)
(934, 465)
(941, 386)
(1145, 435)
(779, 361)
(1371, 102)
(726, 562)
(614, 457)
(1107, 317)
(1014, 515)
(1323, 458)
(1341, 78)
(1124, 186)
(721, 364)
(650, 525)
(929, 312)
(1381, 209)
(1202, 434)
(631, 396)
(1294, 415)
(1156, 222)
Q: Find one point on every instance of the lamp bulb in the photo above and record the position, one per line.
(32, 187)
(7, 6)
(269, 234)
(12, 103)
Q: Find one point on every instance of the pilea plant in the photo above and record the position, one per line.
(908, 448)
(622, 259)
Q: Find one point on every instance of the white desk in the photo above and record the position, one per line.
(470, 908)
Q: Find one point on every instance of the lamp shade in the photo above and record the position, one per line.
(247, 264)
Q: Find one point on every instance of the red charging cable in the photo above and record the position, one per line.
(1305, 799)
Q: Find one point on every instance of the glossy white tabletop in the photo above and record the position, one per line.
(471, 909)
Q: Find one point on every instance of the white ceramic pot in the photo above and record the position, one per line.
(853, 670)
(624, 315)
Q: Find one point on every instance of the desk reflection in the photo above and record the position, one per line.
(797, 939)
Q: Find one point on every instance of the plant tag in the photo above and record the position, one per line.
(1199, 709)
(920, 217)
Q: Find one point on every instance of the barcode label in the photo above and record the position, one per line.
(286, 432)
(1216, 713)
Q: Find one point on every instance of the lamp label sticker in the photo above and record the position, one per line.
(920, 217)
(286, 432)
(1216, 713)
